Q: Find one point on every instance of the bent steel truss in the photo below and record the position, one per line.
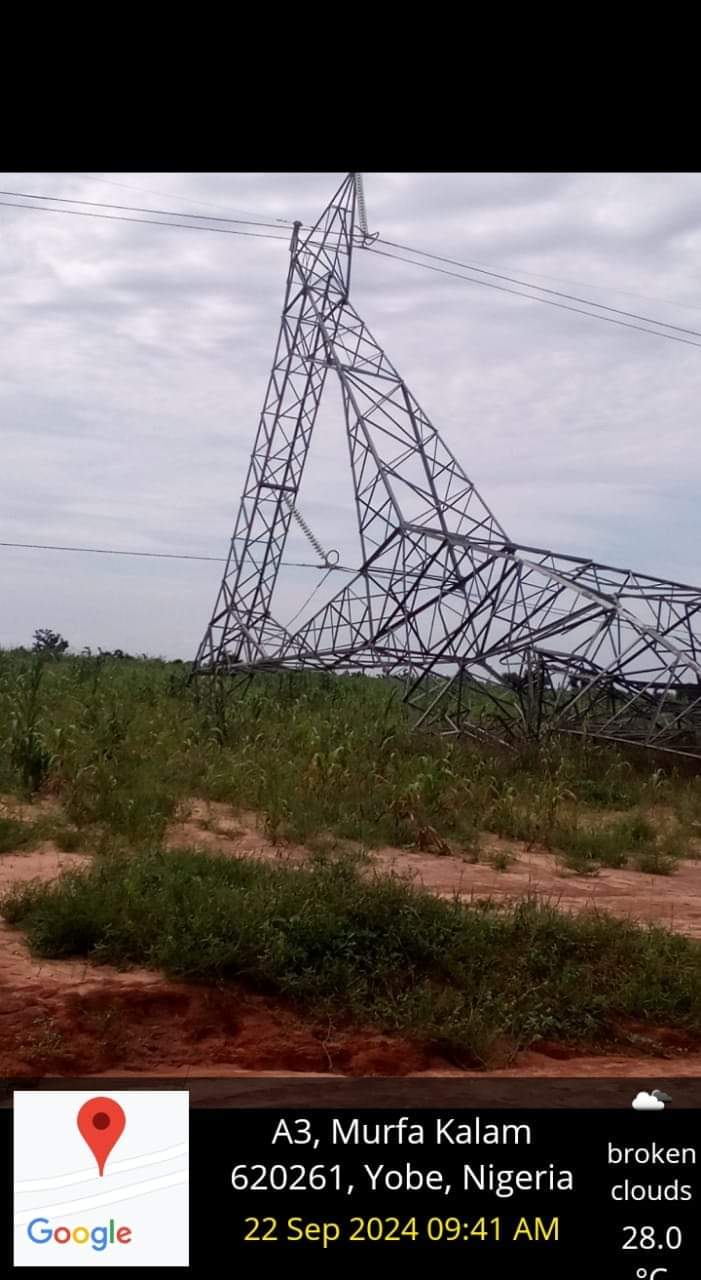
(492, 638)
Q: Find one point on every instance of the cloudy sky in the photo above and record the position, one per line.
(134, 360)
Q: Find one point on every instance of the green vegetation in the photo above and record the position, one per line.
(17, 835)
(336, 939)
(610, 845)
(121, 741)
(14, 834)
(118, 743)
(47, 641)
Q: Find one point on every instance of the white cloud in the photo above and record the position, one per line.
(646, 1102)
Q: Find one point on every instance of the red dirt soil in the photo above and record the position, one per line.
(71, 1017)
(673, 901)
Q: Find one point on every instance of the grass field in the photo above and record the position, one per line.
(121, 742)
(324, 760)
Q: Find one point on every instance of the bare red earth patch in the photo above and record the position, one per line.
(175, 1027)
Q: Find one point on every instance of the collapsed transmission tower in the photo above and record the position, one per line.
(491, 638)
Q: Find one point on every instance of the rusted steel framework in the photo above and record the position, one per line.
(491, 637)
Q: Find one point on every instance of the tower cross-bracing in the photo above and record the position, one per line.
(491, 637)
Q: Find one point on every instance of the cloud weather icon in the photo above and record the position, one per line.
(654, 1101)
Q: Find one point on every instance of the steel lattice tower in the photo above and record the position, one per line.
(493, 638)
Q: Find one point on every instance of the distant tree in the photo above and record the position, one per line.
(47, 641)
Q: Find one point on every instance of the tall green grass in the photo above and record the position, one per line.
(121, 742)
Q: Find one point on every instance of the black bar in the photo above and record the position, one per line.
(539, 1179)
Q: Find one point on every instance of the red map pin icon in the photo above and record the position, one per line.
(101, 1122)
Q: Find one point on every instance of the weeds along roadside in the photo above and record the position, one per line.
(121, 742)
(338, 940)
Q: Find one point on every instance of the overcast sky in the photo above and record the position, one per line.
(134, 360)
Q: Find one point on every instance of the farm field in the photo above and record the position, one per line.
(294, 882)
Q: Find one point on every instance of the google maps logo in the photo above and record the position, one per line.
(86, 1167)
(101, 1122)
(40, 1232)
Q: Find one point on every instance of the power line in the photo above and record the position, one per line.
(24, 195)
(562, 306)
(129, 208)
(376, 571)
(144, 222)
(108, 551)
(543, 275)
(532, 296)
(129, 186)
(585, 284)
(150, 555)
(542, 288)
